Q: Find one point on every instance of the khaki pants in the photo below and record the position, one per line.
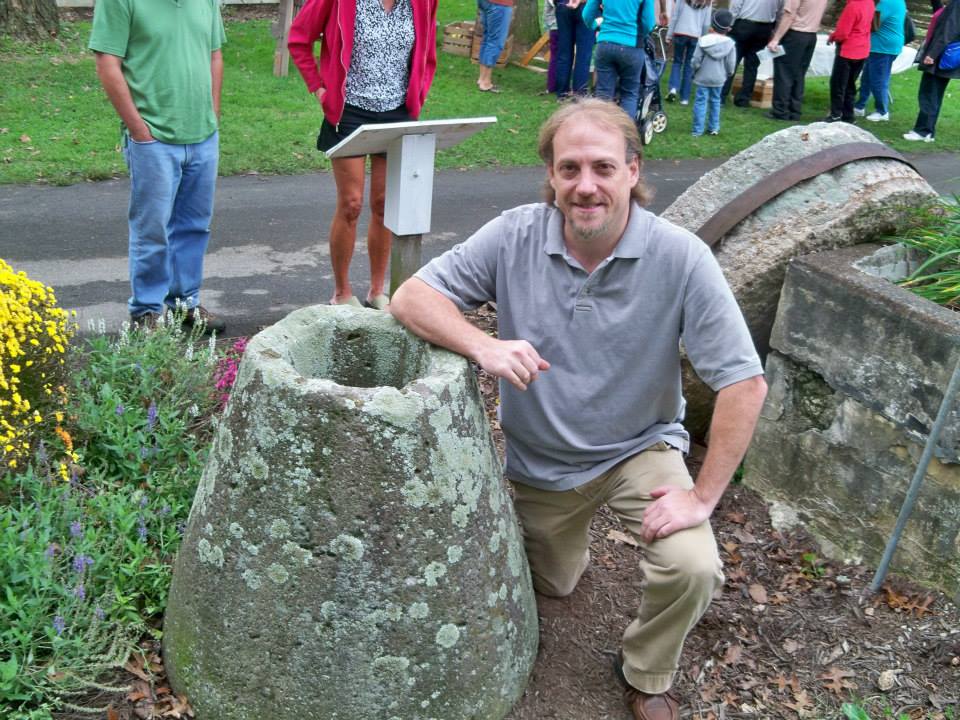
(682, 570)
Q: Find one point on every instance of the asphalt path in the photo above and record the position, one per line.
(268, 253)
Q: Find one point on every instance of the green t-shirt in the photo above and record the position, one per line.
(165, 46)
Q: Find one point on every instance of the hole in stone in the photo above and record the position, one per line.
(364, 354)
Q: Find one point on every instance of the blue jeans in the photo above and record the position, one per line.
(681, 73)
(574, 38)
(496, 26)
(171, 205)
(706, 107)
(875, 80)
(619, 68)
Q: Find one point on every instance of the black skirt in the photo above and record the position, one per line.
(354, 117)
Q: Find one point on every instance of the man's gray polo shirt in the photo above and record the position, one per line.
(611, 337)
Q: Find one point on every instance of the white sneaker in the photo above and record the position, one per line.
(915, 136)
(878, 117)
(860, 112)
(684, 102)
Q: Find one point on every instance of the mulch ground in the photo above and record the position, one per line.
(790, 635)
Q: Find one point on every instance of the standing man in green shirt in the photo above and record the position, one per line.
(160, 64)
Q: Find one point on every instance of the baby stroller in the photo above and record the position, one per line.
(651, 118)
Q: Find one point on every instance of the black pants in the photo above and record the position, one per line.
(789, 73)
(843, 86)
(750, 37)
(929, 98)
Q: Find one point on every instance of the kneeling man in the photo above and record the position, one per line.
(594, 295)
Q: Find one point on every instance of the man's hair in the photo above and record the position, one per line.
(601, 112)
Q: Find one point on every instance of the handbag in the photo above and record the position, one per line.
(909, 30)
(950, 57)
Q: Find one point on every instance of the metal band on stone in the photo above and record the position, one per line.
(754, 197)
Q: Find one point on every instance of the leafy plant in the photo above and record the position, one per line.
(86, 561)
(936, 233)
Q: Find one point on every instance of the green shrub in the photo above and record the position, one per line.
(936, 233)
(86, 561)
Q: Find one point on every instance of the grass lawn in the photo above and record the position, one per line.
(58, 127)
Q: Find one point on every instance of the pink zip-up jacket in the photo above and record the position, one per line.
(334, 21)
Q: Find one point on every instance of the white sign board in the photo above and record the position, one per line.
(410, 149)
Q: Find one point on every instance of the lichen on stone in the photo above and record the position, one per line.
(418, 610)
(454, 553)
(279, 529)
(251, 579)
(448, 635)
(278, 573)
(433, 572)
(236, 530)
(209, 553)
(347, 547)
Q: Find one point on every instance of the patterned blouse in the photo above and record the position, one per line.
(380, 62)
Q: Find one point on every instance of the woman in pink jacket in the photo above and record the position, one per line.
(377, 60)
(852, 36)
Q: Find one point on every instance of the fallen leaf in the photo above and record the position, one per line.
(134, 666)
(24, 138)
(620, 537)
(801, 705)
(778, 598)
(736, 517)
(112, 713)
(744, 537)
(732, 656)
(758, 593)
(791, 646)
(836, 680)
(730, 546)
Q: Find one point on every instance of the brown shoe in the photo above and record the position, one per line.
(144, 321)
(652, 707)
(199, 314)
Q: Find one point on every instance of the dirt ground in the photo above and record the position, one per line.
(789, 636)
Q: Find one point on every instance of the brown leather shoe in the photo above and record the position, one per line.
(652, 707)
(200, 315)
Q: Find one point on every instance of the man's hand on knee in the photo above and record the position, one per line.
(673, 509)
(516, 361)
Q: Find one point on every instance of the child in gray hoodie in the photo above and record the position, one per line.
(714, 60)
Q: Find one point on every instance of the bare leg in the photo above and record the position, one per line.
(485, 81)
(378, 236)
(348, 173)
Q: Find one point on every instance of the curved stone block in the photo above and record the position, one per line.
(351, 552)
(855, 203)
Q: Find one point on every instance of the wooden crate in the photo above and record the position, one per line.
(458, 38)
(478, 38)
(762, 92)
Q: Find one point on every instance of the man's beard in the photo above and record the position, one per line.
(592, 232)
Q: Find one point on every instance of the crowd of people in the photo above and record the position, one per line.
(588, 346)
(869, 36)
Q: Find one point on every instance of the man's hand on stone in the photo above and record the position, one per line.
(516, 361)
(673, 509)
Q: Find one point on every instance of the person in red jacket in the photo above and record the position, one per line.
(377, 61)
(852, 37)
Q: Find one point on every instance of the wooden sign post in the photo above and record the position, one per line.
(410, 148)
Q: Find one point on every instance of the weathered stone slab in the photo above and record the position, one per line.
(857, 372)
(855, 203)
(887, 348)
(351, 552)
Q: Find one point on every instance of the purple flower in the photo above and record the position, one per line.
(98, 612)
(144, 452)
(143, 502)
(51, 551)
(119, 410)
(42, 453)
(76, 529)
(59, 624)
(142, 530)
(165, 510)
(151, 416)
(73, 476)
(80, 592)
(80, 562)
(181, 529)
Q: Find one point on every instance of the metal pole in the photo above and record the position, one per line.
(918, 476)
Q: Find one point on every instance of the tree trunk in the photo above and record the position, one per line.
(526, 24)
(29, 19)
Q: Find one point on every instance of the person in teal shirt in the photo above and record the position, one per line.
(162, 69)
(619, 55)
(885, 45)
